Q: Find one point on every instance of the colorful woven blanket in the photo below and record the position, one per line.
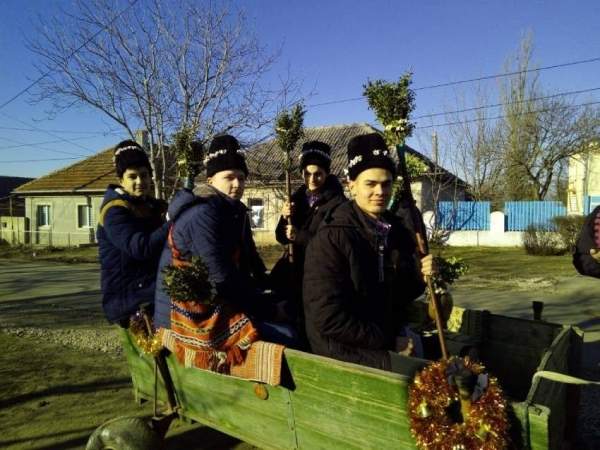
(262, 362)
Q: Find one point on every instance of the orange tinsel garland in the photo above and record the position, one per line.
(429, 400)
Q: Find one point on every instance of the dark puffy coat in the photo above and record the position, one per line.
(582, 260)
(350, 314)
(307, 219)
(131, 234)
(208, 224)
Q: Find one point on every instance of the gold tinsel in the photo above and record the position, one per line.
(148, 343)
(430, 395)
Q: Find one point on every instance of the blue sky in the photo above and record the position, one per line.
(334, 47)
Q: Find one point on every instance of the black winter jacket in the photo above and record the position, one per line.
(350, 314)
(582, 260)
(131, 234)
(307, 219)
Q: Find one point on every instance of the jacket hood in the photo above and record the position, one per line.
(114, 191)
(202, 193)
(181, 201)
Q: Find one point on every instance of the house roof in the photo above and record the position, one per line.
(7, 184)
(90, 175)
(265, 160)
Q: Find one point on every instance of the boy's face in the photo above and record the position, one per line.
(314, 177)
(136, 181)
(372, 190)
(229, 182)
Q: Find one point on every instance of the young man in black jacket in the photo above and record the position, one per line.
(361, 268)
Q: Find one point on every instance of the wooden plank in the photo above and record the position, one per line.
(553, 395)
(538, 427)
(342, 405)
(512, 330)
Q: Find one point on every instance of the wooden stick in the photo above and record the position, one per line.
(288, 187)
(422, 246)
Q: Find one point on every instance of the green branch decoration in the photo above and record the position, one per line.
(189, 154)
(392, 103)
(189, 283)
(447, 272)
(289, 129)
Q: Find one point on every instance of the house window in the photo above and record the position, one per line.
(84, 216)
(257, 212)
(43, 215)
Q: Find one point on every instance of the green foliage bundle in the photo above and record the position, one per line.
(189, 283)
(540, 242)
(289, 129)
(447, 272)
(188, 152)
(568, 229)
(392, 103)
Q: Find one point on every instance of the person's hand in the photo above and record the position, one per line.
(427, 266)
(287, 210)
(290, 232)
(595, 253)
(404, 345)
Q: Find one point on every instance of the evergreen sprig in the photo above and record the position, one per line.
(189, 282)
(188, 151)
(448, 270)
(289, 129)
(392, 103)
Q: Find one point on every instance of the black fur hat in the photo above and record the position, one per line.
(367, 151)
(316, 152)
(129, 154)
(224, 154)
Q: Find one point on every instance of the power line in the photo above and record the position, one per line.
(68, 141)
(40, 130)
(22, 144)
(33, 144)
(36, 160)
(460, 122)
(470, 80)
(476, 108)
(87, 41)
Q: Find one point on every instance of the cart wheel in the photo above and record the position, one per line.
(124, 433)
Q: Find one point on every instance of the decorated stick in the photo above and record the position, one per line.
(289, 129)
(422, 245)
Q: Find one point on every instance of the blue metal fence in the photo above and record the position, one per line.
(519, 215)
(463, 215)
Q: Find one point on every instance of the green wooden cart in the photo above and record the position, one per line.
(328, 404)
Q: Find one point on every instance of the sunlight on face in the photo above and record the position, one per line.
(229, 182)
(136, 181)
(372, 190)
(314, 177)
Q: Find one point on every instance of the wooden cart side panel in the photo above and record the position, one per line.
(539, 436)
(554, 395)
(221, 402)
(339, 405)
(513, 348)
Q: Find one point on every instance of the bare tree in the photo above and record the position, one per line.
(161, 66)
(539, 131)
(475, 154)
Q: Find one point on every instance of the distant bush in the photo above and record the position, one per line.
(541, 242)
(568, 228)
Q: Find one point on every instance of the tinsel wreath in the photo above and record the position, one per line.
(150, 343)
(430, 397)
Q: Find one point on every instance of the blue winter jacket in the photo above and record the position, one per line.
(209, 224)
(131, 234)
